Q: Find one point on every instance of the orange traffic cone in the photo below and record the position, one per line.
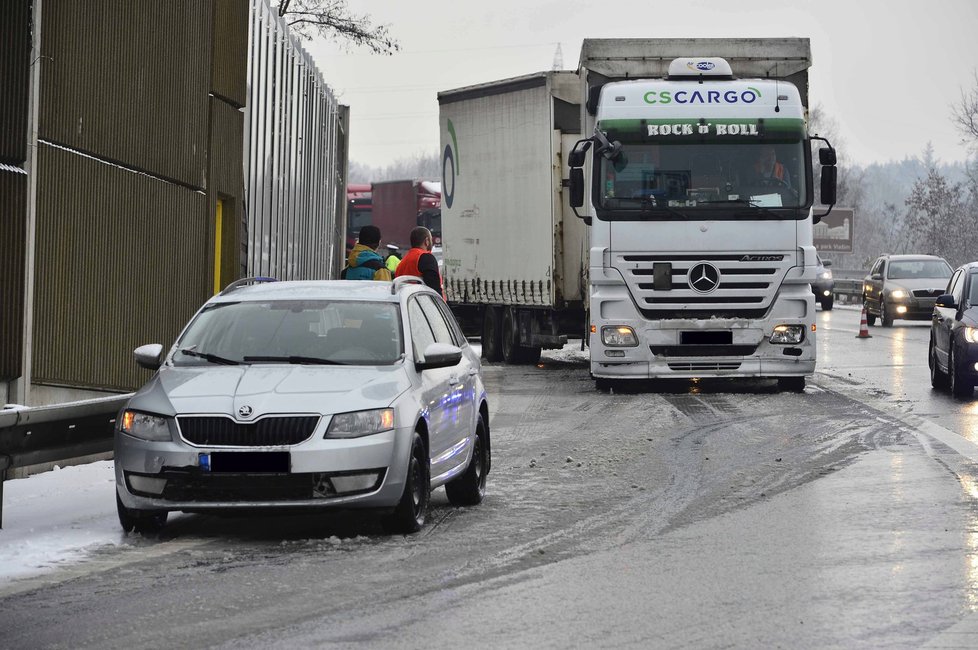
(863, 328)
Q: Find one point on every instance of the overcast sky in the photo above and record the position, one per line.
(886, 70)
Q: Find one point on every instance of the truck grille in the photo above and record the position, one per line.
(222, 431)
(701, 366)
(745, 288)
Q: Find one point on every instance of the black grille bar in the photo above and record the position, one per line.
(220, 431)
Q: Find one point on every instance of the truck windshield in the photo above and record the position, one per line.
(692, 174)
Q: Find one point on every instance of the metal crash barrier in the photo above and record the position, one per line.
(60, 432)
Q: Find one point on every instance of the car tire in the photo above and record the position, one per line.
(960, 387)
(412, 510)
(492, 334)
(886, 318)
(470, 487)
(827, 303)
(792, 384)
(144, 522)
(870, 317)
(938, 378)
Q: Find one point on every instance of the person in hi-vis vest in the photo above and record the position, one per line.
(768, 169)
(419, 261)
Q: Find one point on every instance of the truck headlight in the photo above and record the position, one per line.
(360, 423)
(145, 426)
(619, 336)
(788, 334)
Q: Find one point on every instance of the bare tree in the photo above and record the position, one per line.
(964, 113)
(333, 19)
(941, 216)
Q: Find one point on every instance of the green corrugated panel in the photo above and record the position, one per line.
(230, 64)
(129, 81)
(15, 61)
(13, 198)
(120, 261)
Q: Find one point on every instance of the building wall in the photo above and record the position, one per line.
(141, 134)
(15, 49)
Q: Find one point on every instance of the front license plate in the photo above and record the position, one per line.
(246, 462)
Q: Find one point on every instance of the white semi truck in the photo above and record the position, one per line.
(691, 174)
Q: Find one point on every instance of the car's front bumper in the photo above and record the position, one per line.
(183, 481)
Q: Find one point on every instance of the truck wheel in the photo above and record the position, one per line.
(492, 334)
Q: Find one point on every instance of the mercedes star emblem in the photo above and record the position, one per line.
(245, 411)
(704, 277)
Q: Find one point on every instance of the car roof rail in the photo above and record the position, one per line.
(404, 279)
(237, 284)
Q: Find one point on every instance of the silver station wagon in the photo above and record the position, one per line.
(278, 395)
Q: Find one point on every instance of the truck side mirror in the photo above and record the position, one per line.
(827, 193)
(826, 156)
(576, 187)
(579, 153)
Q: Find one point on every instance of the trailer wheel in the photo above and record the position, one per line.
(492, 334)
(513, 352)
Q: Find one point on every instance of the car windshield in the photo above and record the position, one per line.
(293, 331)
(680, 172)
(910, 269)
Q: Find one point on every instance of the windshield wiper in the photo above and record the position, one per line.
(295, 359)
(648, 204)
(746, 202)
(213, 358)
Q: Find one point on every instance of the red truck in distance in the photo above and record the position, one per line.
(396, 207)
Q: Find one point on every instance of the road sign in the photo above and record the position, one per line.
(834, 232)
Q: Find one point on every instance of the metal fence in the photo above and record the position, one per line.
(296, 148)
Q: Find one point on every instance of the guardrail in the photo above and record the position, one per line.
(47, 434)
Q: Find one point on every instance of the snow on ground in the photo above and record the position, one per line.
(54, 518)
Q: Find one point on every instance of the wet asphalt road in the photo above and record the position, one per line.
(718, 514)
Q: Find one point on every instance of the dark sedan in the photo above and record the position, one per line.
(953, 351)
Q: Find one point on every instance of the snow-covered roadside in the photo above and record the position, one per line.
(54, 518)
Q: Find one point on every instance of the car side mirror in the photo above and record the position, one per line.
(877, 276)
(149, 356)
(826, 263)
(945, 300)
(439, 355)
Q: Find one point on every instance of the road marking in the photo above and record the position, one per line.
(915, 423)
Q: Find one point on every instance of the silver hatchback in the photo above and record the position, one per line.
(279, 395)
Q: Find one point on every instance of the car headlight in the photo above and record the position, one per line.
(971, 335)
(145, 426)
(620, 336)
(897, 294)
(788, 334)
(826, 276)
(360, 423)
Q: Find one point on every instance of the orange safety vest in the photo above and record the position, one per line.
(409, 266)
(777, 172)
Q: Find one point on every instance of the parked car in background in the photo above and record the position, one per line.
(904, 286)
(953, 352)
(287, 395)
(824, 286)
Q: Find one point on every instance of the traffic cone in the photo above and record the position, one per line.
(863, 328)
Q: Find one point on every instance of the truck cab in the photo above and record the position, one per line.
(701, 247)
